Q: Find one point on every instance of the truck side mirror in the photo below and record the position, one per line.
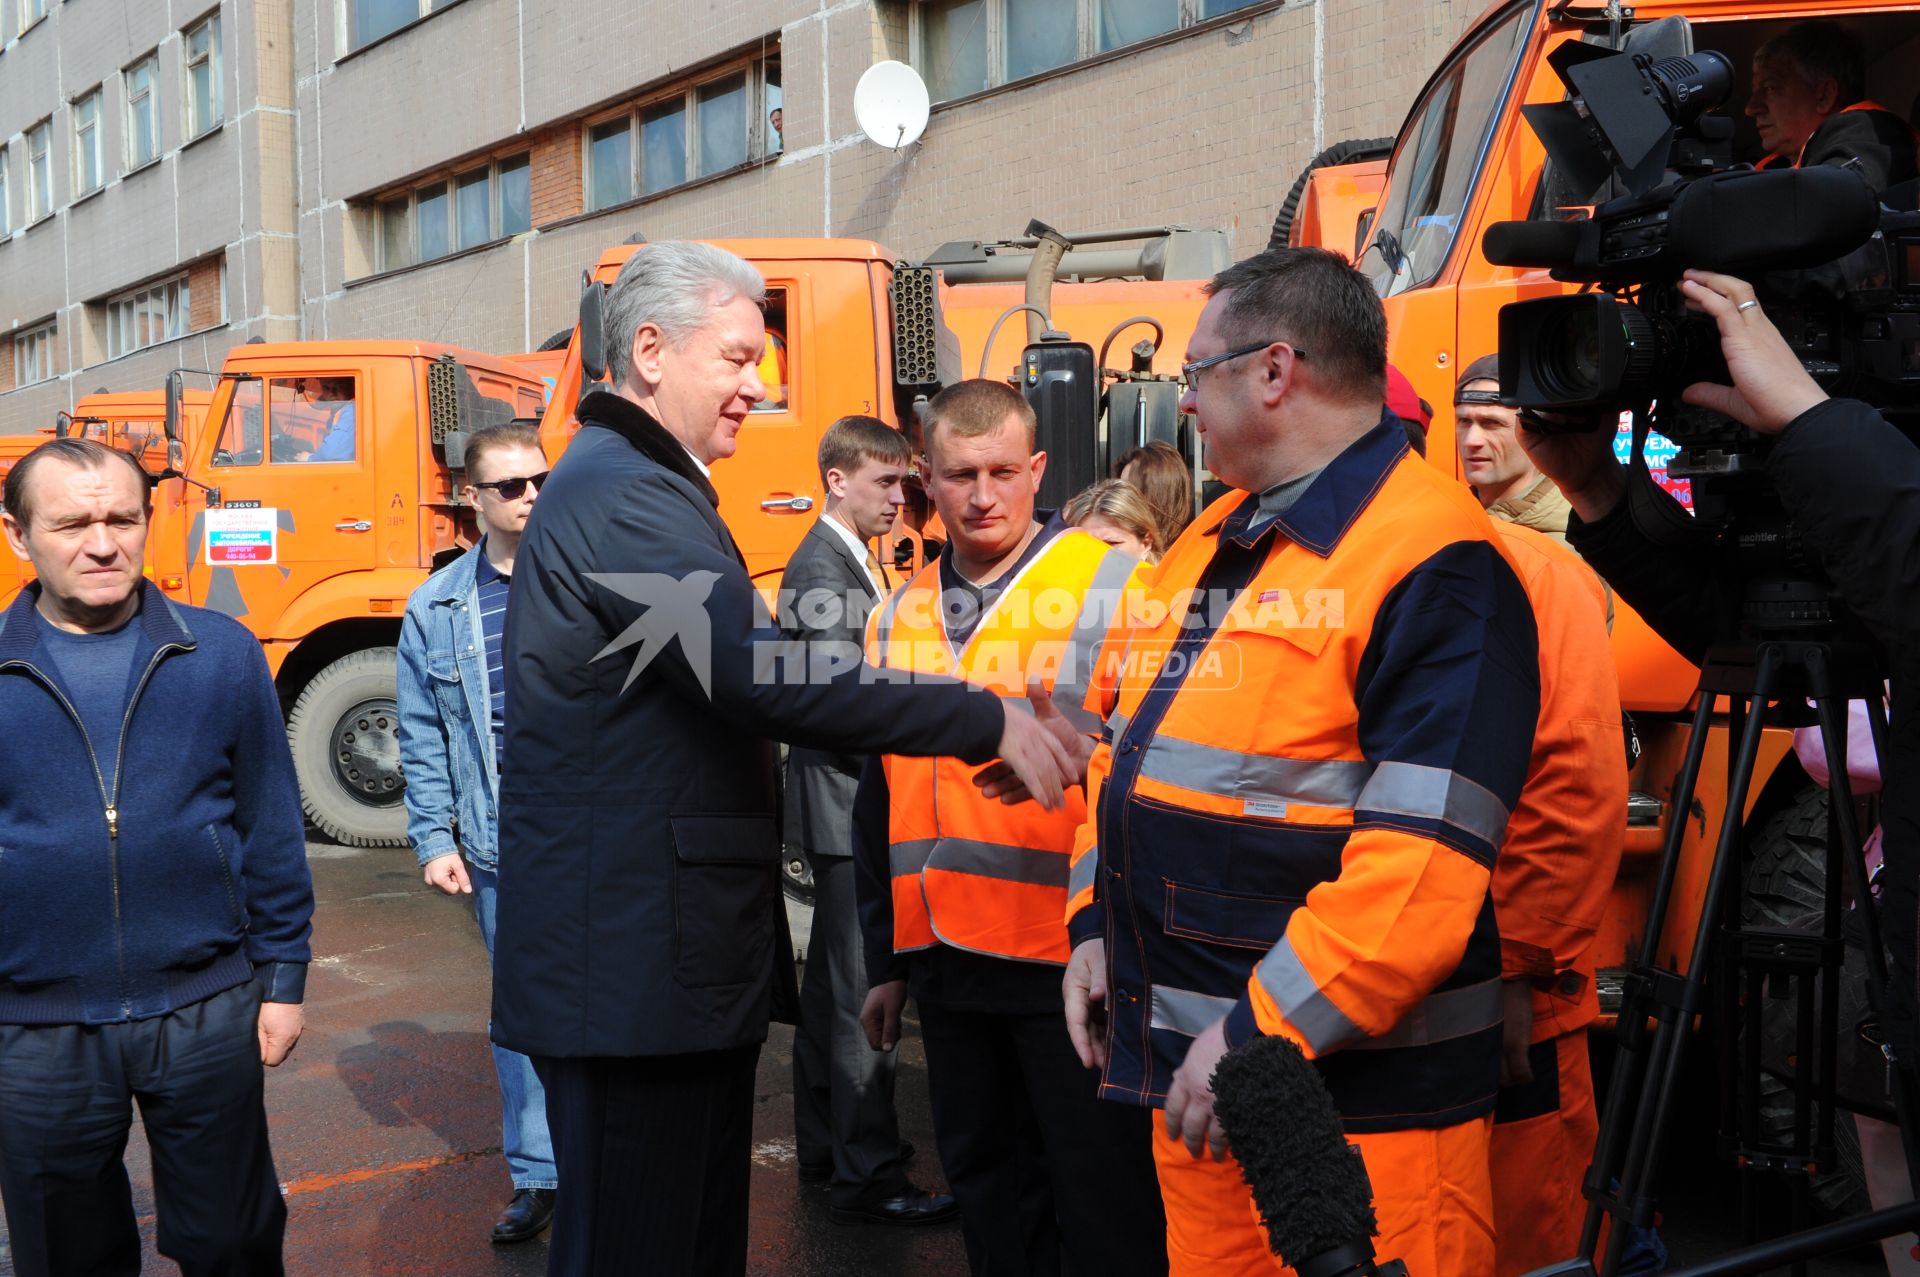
(173, 411)
(593, 330)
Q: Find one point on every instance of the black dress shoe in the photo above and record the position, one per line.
(525, 1217)
(914, 1207)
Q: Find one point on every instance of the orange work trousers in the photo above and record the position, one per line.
(1543, 1137)
(1430, 1191)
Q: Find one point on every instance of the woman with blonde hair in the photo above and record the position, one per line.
(1163, 478)
(1115, 512)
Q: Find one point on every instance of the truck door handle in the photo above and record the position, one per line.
(353, 525)
(787, 505)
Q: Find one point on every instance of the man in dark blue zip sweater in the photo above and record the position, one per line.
(154, 894)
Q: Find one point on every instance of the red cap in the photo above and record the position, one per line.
(1404, 401)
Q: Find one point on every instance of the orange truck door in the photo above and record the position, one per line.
(294, 468)
(770, 489)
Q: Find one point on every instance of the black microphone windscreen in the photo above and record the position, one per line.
(1532, 243)
(1311, 1189)
(1773, 219)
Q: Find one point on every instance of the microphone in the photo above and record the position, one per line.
(1308, 1183)
(1532, 243)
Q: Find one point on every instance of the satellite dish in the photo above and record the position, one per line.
(891, 104)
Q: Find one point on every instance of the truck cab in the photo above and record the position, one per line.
(1466, 158)
(312, 502)
(845, 338)
(132, 421)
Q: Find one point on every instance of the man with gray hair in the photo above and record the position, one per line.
(641, 944)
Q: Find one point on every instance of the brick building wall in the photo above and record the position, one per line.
(1205, 127)
(220, 205)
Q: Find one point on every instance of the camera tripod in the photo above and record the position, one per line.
(1660, 1007)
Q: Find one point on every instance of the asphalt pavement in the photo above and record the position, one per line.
(386, 1124)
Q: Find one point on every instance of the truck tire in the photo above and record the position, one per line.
(1351, 151)
(344, 731)
(1786, 877)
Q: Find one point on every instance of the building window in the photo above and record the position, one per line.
(31, 11)
(966, 46)
(692, 131)
(6, 209)
(476, 207)
(147, 316)
(143, 121)
(201, 44)
(33, 354)
(86, 143)
(375, 18)
(39, 171)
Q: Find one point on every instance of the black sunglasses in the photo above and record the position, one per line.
(514, 489)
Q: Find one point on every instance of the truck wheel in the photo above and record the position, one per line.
(1351, 151)
(345, 734)
(796, 877)
(1786, 877)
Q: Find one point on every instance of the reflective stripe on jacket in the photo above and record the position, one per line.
(1299, 799)
(1564, 842)
(973, 872)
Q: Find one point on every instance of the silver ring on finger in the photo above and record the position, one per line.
(1748, 304)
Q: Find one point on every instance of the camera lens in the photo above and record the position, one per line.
(1570, 355)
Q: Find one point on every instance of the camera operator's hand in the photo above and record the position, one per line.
(1579, 460)
(1770, 388)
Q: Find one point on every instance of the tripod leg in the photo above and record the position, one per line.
(1631, 1034)
(1833, 728)
(1639, 1173)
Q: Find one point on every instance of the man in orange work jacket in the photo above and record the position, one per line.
(1315, 732)
(1556, 870)
(962, 896)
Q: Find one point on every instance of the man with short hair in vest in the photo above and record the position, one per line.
(962, 887)
(1316, 727)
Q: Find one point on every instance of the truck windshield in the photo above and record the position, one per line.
(1438, 158)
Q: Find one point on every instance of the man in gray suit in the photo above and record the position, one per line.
(843, 1113)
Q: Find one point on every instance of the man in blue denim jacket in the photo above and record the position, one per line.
(452, 714)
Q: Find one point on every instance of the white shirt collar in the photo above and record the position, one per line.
(861, 550)
(705, 471)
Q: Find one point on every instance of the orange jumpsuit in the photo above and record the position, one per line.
(1550, 890)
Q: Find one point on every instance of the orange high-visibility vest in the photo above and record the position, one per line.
(972, 872)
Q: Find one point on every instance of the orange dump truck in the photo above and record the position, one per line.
(132, 421)
(311, 502)
(1466, 158)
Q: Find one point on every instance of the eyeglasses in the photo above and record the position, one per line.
(514, 489)
(1190, 373)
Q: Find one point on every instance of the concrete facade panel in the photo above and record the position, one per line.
(29, 80)
(421, 99)
(33, 263)
(209, 176)
(474, 301)
(122, 236)
(580, 54)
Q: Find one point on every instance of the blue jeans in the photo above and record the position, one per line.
(523, 1102)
